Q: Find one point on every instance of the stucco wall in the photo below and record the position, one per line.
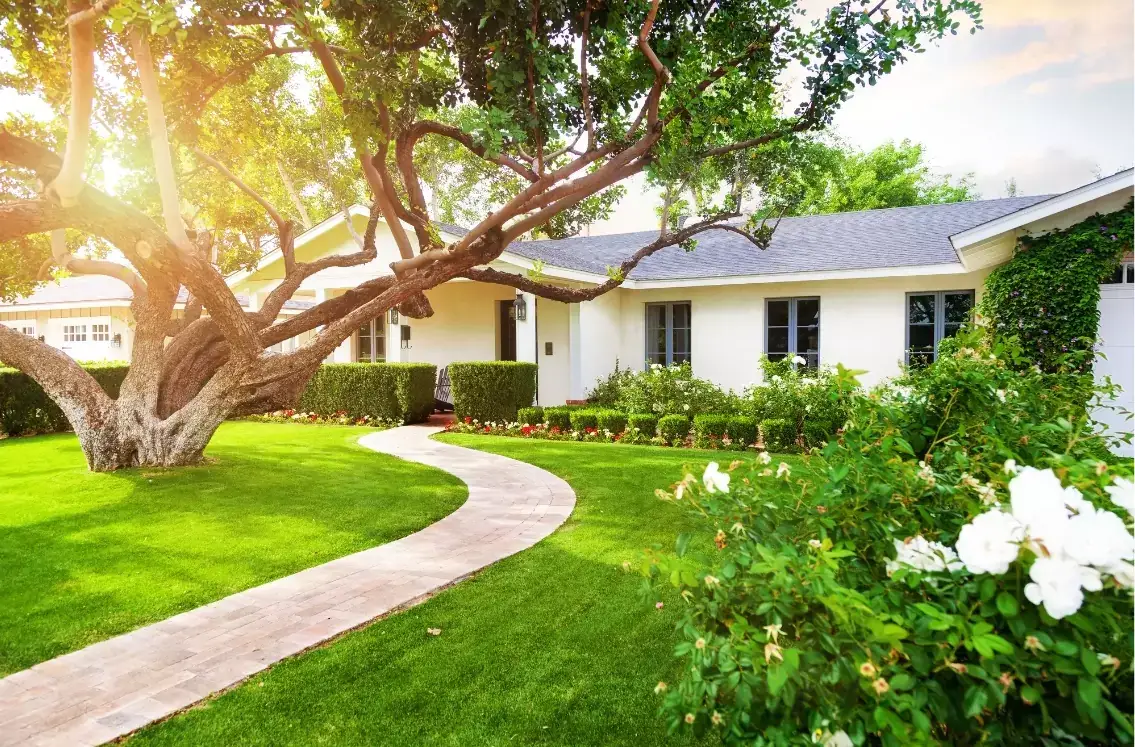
(463, 327)
(862, 323)
(552, 325)
(49, 325)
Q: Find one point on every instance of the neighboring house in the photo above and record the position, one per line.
(871, 290)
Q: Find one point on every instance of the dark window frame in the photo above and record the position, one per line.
(939, 317)
(793, 326)
(669, 327)
(377, 331)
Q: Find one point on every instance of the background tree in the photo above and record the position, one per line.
(571, 97)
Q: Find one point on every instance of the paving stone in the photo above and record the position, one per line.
(111, 688)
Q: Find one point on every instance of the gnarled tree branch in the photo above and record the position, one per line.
(69, 182)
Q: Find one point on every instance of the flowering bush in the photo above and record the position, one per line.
(672, 390)
(799, 402)
(954, 568)
(338, 418)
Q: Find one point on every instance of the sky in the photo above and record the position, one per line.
(1043, 95)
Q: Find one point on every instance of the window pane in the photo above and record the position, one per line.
(379, 343)
(777, 341)
(777, 314)
(655, 317)
(1131, 273)
(922, 337)
(811, 360)
(681, 315)
(364, 344)
(681, 343)
(808, 340)
(1115, 277)
(659, 358)
(681, 357)
(808, 311)
(950, 330)
(958, 307)
(921, 309)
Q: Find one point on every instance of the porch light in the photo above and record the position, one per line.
(116, 342)
(393, 316)
(521, 308)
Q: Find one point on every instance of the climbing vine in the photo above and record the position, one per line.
(1048, 294)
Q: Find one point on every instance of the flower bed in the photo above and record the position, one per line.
(339, 418)
(630, 435)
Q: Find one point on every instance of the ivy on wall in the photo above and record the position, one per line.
(1048, 294)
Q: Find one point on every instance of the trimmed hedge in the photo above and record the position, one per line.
(778, 434)
(711, 425)
(674, 427)
(26, 408)
(581, 420)
(530, 415)
(815, 434)
(743, 428)
(557, 417)
(394, 391)
(646, 424)
(612, 420)
(492, 391)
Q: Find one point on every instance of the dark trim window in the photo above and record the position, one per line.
(668, 333)
(792, 328)
(930, 318)
(372, 342)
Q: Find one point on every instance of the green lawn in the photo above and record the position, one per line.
(551, 646)
(88, 556)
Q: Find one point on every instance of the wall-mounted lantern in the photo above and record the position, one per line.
(521, 307)
(393, 316)
(116, 342)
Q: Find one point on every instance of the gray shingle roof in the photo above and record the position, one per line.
(892, 237)
(90, 290)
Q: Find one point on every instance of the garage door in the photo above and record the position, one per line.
(1117, 330)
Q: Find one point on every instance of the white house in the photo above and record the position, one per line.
(867, 289)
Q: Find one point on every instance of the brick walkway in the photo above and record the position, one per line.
(109, 689)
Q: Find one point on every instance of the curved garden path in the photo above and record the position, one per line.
(114, 687)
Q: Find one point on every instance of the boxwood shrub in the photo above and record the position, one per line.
(612, 420)
(647, 424)
(583, 419)
(530, 415)
(742, 428)
(674, 427)
(395, 391)
(558, 417)
(26, 408)
(778, 434)
(492, 391)
(711, 425)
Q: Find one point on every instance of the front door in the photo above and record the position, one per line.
(506, 310)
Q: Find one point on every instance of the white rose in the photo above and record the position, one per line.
(1123, 572)
(1058, 584)
(1122, 492)
(990, 543)
(798, 360)
(1098, 538)
(922, 555)
(714, 479)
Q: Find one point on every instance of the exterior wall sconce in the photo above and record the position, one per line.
(393, 316)
(521, 307)
(116, 342)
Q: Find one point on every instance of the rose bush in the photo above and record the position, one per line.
(955, 568)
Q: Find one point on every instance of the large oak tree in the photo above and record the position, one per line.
(558, 100)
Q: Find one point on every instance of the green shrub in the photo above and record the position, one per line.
(581, 420)
(558, 417)
(711, 425)
(671, 390)
(26, 408)
(613, 421)
(607, 391)
(673, 427)
(492, 391)
(817, 433)
(778, 434)
(530, 415)
(742, 429)
(391, 391)
(646, 424)
(856, 600)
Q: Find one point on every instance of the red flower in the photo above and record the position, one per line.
(526, 430)
(468, 420)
